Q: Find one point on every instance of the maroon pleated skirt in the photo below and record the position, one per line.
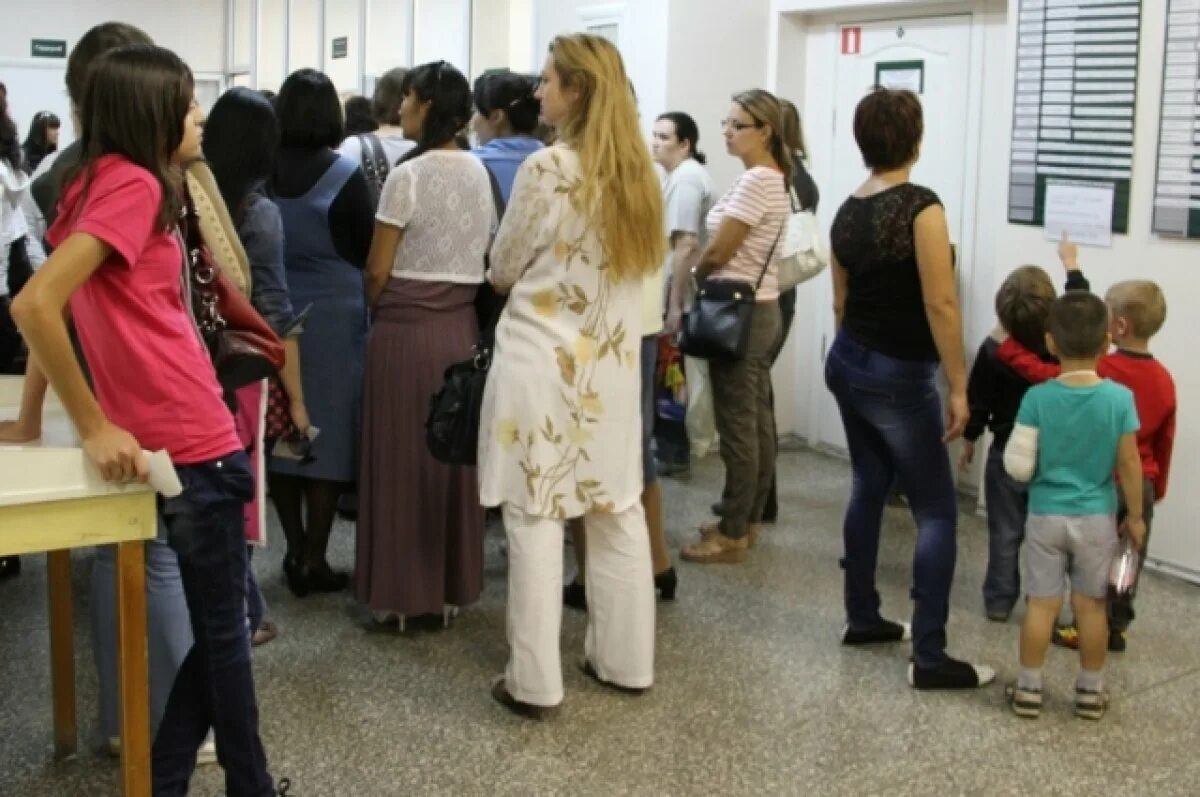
(420, 525)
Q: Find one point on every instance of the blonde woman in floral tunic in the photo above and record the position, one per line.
(561, 426)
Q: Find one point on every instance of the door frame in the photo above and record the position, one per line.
(792, 25)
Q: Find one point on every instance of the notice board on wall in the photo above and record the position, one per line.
(1076, 91)
(1177, 178)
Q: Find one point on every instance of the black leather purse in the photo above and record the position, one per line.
(452, 426)
(718, 325)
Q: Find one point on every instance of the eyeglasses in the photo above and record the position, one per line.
(737, 126)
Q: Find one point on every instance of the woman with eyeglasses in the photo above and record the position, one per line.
(898, 318)
(326, 207)
(42, 139)
(560, 432)
(420, 524)
(744, 228)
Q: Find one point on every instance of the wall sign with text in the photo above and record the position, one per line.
(1177, 179)
(1076, 91)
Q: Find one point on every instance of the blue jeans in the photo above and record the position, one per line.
(215, 685)
(1007, 508)
(170, 636)
(893, 420)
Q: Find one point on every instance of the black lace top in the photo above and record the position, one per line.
(872, 238)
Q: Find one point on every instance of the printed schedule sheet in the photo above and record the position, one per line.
(1076, 90)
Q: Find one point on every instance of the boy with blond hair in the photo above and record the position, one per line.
(1137, 310)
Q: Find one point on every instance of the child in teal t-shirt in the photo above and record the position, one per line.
(1070, 435)
(1079, 428)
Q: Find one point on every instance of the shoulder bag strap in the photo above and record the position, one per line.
(382, 164)
(767, 263)
(497, 194)
(495, 302)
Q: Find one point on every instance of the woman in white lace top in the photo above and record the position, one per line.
(420, 525)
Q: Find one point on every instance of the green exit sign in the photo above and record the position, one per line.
(49, 48)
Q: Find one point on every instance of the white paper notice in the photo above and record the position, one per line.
(1082, 210)
(901, 79)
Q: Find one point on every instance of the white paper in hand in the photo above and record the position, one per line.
(163, 477)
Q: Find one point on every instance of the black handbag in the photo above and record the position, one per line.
(452, 428)
(718, 325)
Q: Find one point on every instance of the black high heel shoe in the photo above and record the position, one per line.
(10, 566)
(666, 583)
(293, 575)
(575, 596)
(324, 579)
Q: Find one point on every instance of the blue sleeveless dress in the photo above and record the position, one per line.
(334, 339)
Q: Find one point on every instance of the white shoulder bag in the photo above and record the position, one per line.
(802, 253)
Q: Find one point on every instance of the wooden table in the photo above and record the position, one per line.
(51, 501)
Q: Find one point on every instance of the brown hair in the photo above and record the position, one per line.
(793, 131)
(389, 93)
(134, 105)
(888, 126)
(1079, 325)
(1141, 303)
(1023, 305)
(97, 41)
(766, 111)
(618, 187)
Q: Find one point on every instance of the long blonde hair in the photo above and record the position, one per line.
(619, 184)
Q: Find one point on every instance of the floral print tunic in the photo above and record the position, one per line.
(560, 431)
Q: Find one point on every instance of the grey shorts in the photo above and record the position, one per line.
(1079, 546)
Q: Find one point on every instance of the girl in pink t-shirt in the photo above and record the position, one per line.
(118, 266)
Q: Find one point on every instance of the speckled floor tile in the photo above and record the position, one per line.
(753, 695)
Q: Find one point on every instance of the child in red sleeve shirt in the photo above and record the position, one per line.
(1137, 310)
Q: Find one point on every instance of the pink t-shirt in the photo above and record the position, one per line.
(759, 198)
(151, 373)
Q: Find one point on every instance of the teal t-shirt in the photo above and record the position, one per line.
(1078, 432)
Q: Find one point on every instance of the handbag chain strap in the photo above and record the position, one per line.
(202, 273)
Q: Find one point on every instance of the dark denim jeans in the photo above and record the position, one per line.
(1007, 509)
(215, 686)
(256, 606)
(893, 420)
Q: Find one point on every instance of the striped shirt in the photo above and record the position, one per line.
(759, 199)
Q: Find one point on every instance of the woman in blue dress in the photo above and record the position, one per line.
(327, 213)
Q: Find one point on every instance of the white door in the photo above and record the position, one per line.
(932, 56)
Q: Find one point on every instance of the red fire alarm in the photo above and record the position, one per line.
(851, 41)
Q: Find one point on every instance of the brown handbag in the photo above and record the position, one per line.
(243, 347)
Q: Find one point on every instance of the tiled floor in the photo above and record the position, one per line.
(753, 696)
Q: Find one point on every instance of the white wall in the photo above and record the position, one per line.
(341, 20)
(490, 35)
(194, 29)
(443, 32)
(711, 54)
(388, 35)
(644, 29)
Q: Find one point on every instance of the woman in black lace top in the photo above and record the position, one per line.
(898, 317)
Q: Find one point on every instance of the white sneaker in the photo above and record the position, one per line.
(207, 754)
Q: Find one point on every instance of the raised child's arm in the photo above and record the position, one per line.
(1028, 365)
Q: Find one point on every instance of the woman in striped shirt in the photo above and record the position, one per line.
(744, 231)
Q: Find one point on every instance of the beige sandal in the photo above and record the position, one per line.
(715, 548)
